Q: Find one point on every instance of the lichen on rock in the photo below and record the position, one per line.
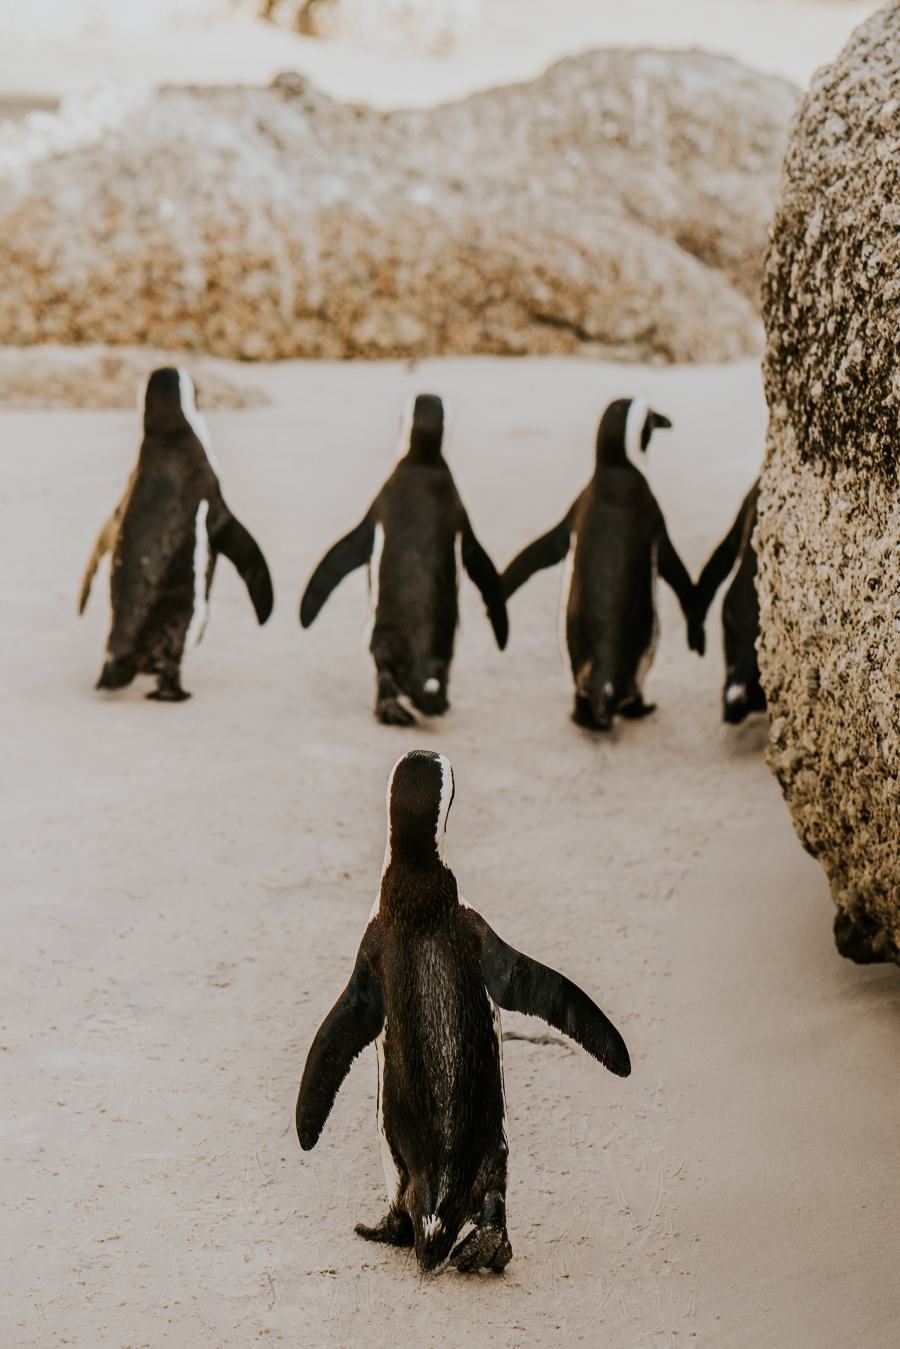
(829, 526)
(618, 205)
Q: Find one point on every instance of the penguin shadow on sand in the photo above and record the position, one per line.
(429, 981)
(415, 540)
(614, 543)
(165, 536)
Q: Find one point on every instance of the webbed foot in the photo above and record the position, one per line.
(391, 712)
(583, 715)
(168, 689)
(395, 1229)
(488, 1246)
(636, 709)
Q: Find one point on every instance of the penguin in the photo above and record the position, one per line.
(429, 980)
(409, 539)
(740, 612)
(615, 541)
(164, 536)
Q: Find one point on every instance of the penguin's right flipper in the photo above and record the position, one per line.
(520, 984)
(544, 552)
(483, 572)
(350, 552)
(724, 557)
(355, 1020)
(229, 537)
(106, 540)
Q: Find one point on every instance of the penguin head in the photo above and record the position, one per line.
(626, 427)
(419, 796)
(163, 411)
(168, 402)
(426, 434)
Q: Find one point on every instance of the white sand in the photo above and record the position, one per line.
(55, 47)
(184, 888)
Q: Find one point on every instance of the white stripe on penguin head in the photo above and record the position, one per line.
(201, 566)
(194, 418)
(405, 431)
(387, 854)
(634, 426)
(374, 576)
(447, 789)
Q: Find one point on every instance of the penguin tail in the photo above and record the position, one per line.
(117, 672)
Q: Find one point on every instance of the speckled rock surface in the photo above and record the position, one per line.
(829, 530)
(619, 205)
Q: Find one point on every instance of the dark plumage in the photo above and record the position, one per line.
(408, 538)
(165, 536)
(429, 978)
(743, 692)
(619, 540)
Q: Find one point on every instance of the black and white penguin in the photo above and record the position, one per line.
(165, 535)
(429, 979)
(740, 612)
(410, 538)
(616, 541)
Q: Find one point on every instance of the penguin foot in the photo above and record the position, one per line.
(117, 672)
(584, 715)
(169, 689)
(395, 1229)
(488, 1247)
(636, 709)
(485, 1248)
(391, 712)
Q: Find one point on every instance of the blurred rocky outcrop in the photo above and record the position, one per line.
(104, 377)
(829, 529)
(619, 205)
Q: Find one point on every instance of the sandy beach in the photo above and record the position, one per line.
(184, 888)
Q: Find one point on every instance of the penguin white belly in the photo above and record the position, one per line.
(646, 659)
(391, 1174)
(568, 572)
(374, 575)
(201, 566)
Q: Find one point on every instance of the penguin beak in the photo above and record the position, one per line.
(655, 421)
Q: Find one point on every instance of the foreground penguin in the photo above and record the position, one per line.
(408, 538)
(740, 612)
(165, 536)
(616, 539)
(428, 981)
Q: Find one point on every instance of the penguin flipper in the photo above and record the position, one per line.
(520, 984)
(723, 559)
(106, 540)
(483, 572)
(675, 574)
(355, 1020)
(229, 537)
(546, 551)
(350, 552)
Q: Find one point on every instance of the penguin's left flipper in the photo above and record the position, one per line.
(724, 557)
(483, 572)
(675, 574)
(544, 552)
(519, 984)
(355, 1020)
(229, 537)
